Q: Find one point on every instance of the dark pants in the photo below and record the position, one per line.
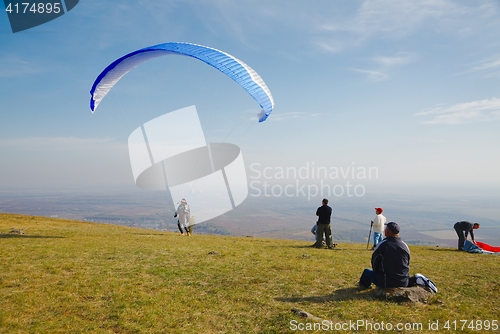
(180, 229)
(367, 278)
(461, 235)
(323, 228)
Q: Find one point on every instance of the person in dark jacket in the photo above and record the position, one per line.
(324, 213)
(463, 229)
(390, 262)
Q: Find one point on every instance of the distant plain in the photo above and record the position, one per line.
(425, 218)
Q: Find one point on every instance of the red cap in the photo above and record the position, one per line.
(379, 209)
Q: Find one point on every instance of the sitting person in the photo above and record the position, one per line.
(390, 262)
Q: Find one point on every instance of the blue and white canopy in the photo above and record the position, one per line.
(234, 68)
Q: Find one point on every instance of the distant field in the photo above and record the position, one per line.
(424, 220)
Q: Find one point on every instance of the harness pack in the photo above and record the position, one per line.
(424, 282)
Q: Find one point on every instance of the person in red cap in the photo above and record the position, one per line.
(378, 226)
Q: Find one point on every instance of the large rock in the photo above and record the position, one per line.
(412, 294)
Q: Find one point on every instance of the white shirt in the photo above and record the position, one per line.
(378, 223)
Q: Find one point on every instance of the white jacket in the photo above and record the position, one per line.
(378, 223)
(184, 214)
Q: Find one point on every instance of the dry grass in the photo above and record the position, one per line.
(68, 276)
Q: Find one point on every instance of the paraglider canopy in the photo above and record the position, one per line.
(234, 68)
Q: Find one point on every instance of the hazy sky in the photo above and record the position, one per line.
(411, 88)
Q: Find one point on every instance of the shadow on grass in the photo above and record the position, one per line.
(24, 236)
(337, 248)
(160, 234)
(337, 295)
(444, 249)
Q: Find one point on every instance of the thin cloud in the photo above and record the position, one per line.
(372, 76)
(400, 59)
(462, 113)
(397, 19)
(61, 143)
(281, 116)
(385, 63)
(292, 115)
(329, 47)
(491, 67)
(17, 67)
(487, 65)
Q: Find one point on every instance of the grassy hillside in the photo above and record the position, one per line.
(69, 276)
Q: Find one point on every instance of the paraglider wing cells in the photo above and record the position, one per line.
(234, 68)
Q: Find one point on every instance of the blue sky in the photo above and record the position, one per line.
(409, 87)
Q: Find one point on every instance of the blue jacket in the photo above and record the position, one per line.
(391, 263)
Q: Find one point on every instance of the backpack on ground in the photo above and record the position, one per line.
(423, 281)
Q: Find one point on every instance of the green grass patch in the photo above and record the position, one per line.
(67, 276)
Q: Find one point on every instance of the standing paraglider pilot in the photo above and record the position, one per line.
(184, 214)
(463, 229)
(378, 226)
(324, 213)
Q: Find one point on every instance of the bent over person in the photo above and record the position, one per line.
(463, 229)
(390, 262)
